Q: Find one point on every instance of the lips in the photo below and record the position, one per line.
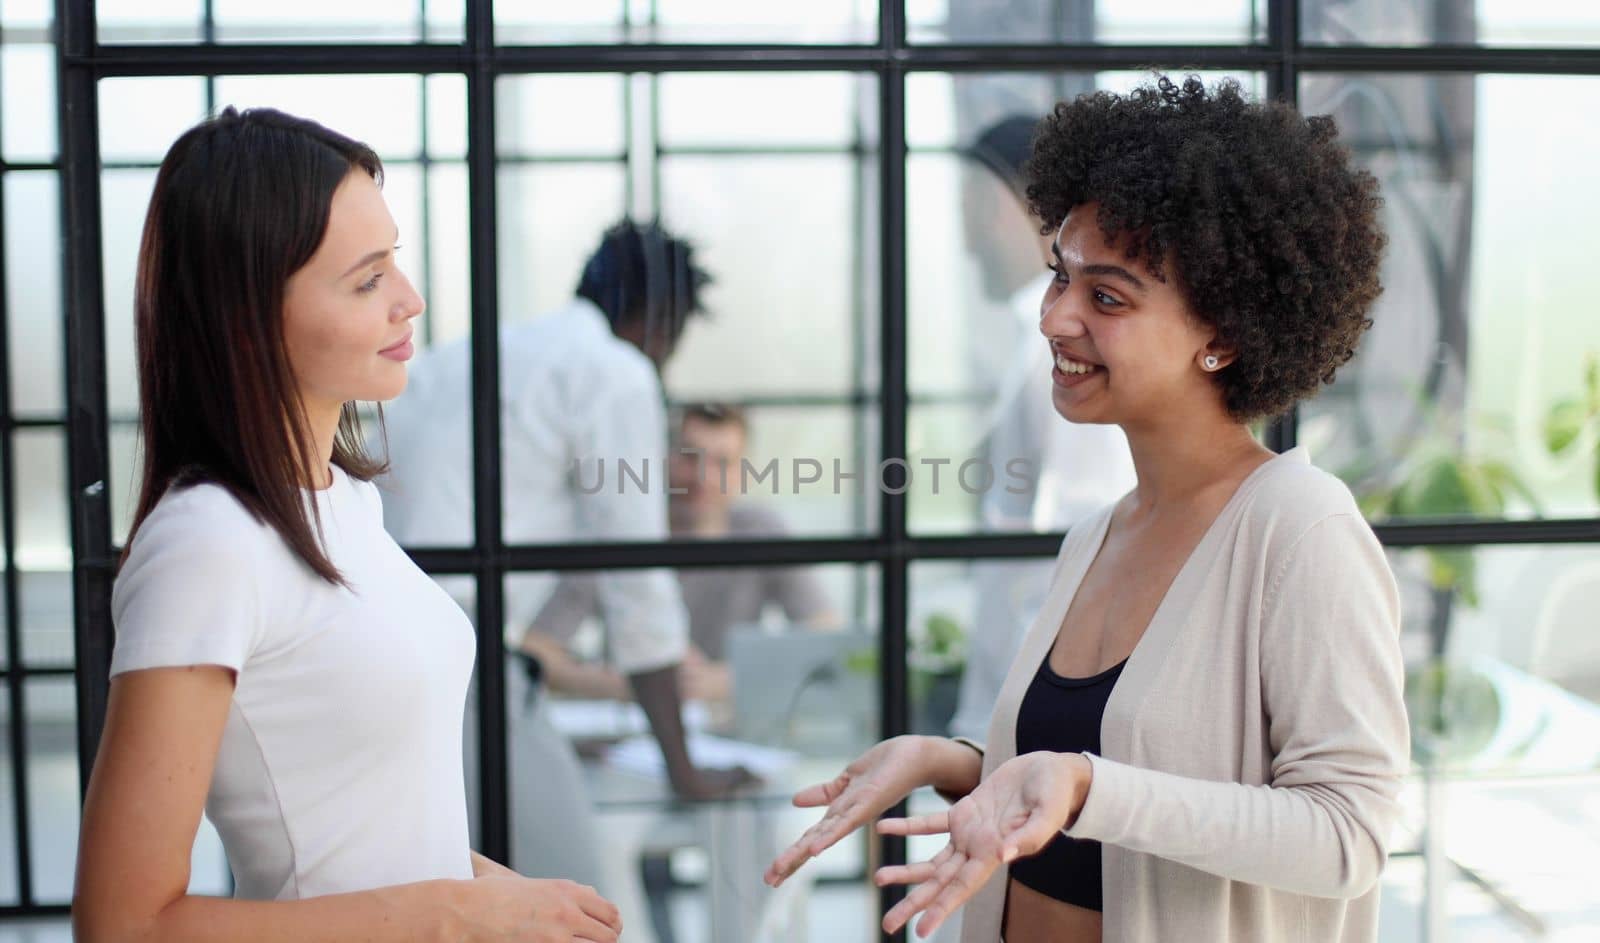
(395, 347)
(1058, 352)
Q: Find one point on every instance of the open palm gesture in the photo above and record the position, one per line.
(877, 780)
(1015, 812)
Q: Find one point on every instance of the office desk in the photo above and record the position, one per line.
(738, 835)
(1518, 771)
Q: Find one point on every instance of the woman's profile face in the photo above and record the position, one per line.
(1125, 346)
(347, 312)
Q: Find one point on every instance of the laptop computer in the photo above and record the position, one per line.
(809, 690)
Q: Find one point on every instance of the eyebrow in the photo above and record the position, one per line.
(371, 257)
(1097, 268)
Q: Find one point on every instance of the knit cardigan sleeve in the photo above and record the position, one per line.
(1332, 686)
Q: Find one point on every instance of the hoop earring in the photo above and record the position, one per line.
(1211, 362)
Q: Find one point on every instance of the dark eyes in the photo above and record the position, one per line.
(1061, 280)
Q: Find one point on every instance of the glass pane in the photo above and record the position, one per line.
(791, 470)
(33, 293)
(545, 22)
(1477, 391)
(965, 623)
(1503, 689)
(47, 624)
(447, 116)
(382, 111)
(22, 16)
(41, 500)
(148, 21)
(141, 117)
(124, 200)
(809, 110)
(551, 217)
(444, 283)
(787, 687)
(1451, 22)
(1086, 21)
(716, 188)
(52, 711)
(127, 465)
(294, 21)
(9, 891)
(988, 451)
(28, 99)
(787, 309)
(310, 21)
(5, 618)
(561, 116)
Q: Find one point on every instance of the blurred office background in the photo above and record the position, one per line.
(818, 155)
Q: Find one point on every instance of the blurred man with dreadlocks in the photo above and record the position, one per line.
(580, 395)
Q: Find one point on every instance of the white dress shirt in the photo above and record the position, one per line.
(574, 401)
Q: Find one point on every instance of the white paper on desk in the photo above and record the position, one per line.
(642, 756)
(599, 720)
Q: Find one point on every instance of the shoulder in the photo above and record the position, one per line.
(1291, 496)
(200, 534)
(626, 367)
(204, 513)
(365, 493)
(574, 344)
(1304, 526)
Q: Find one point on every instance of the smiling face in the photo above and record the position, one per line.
(347, 311)
(704, 478)
(1126, 347)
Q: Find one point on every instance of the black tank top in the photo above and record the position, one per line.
(1062, 715)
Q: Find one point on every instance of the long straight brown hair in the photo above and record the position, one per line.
(241, 202)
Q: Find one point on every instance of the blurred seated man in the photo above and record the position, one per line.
(702, 505)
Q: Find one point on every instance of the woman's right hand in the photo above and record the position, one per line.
(506, 908)
(866, 789)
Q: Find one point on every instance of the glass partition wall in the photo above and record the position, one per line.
(863, 322)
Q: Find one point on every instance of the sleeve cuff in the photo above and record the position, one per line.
(663, 657)
(1102, 811)
(968, 742)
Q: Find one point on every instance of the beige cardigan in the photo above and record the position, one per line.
(1255, 742)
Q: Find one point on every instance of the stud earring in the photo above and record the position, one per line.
(1211, 362)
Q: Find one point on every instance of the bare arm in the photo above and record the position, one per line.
(567, 675)
(163, 729)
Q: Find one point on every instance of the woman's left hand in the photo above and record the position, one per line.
(1013, 813)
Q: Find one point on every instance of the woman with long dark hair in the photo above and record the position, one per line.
(279, 660)
(1203, 734)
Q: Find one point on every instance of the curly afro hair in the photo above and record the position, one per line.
(1273, 235)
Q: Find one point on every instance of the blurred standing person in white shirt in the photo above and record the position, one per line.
(1074, 468)
(580, 394)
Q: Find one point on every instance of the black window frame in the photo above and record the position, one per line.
(82, 61)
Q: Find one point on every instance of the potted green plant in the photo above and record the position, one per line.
(1453, 710)
(1572, 424)
(936, 654)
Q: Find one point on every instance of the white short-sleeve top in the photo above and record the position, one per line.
(340, 767)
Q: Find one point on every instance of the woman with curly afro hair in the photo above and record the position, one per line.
(1203, 734)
